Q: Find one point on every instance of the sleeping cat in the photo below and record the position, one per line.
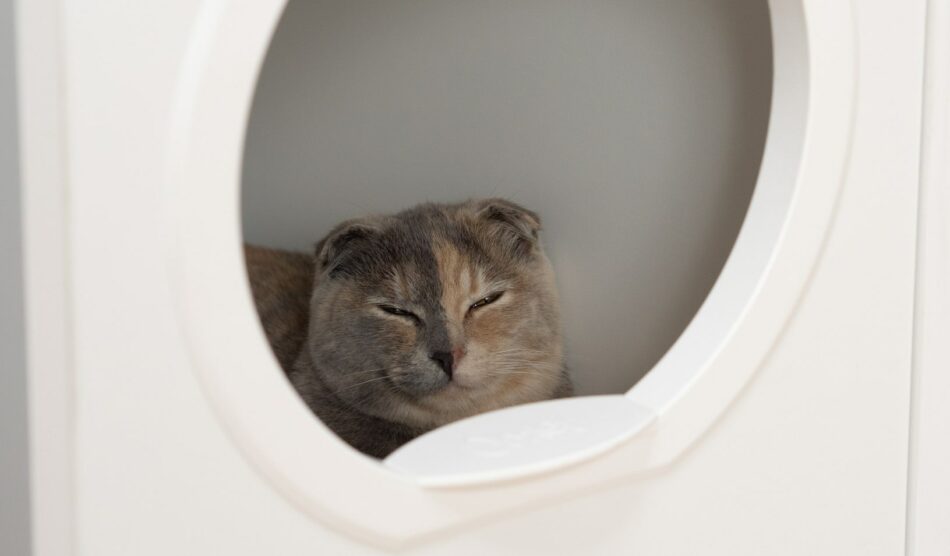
(406, 322)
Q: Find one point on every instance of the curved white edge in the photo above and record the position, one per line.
(757, 292)
(807, 149)
(928, 489)
(48, 298)
(520, 441)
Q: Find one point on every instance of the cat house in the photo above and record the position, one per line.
(740, 198)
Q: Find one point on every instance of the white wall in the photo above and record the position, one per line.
(14, 489)
(634, 127)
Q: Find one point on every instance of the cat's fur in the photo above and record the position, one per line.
(281, 282)
(379, 379)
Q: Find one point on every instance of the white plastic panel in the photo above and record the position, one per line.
(808, 145)
(928, 520)
(787, 468)
(520, 441)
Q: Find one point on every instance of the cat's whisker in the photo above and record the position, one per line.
(517, 364)
(518, 368)
(516, 371)
(380, 370)
(360, 384)
(520, 350)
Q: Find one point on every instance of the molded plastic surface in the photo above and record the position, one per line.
(758, 291)
(520, 441)
(128, 458)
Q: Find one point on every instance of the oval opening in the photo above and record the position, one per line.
(635, 129)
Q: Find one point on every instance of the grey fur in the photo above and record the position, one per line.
(370, 375)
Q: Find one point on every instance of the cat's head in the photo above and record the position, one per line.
(437, 313)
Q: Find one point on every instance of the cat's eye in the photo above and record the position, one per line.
(487, 300)
(398, 312)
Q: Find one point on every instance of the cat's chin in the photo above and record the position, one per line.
(451, 402)
(469, 394)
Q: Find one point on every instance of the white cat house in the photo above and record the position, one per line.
(742, 202)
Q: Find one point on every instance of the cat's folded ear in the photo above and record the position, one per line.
(511, 224)
(342, 240)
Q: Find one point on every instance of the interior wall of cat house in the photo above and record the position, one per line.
(634, 128)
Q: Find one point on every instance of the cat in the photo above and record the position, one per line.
(402, 323)
(281, 282)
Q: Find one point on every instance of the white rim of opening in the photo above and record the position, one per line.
(758, 290)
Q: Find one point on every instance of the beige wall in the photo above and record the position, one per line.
(634, 127)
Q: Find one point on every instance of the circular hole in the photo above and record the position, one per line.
(636, 130)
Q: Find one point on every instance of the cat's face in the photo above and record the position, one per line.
(437, 313)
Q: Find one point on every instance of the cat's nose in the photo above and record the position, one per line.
(445, 360)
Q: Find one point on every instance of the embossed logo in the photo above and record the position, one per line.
(501, 445)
